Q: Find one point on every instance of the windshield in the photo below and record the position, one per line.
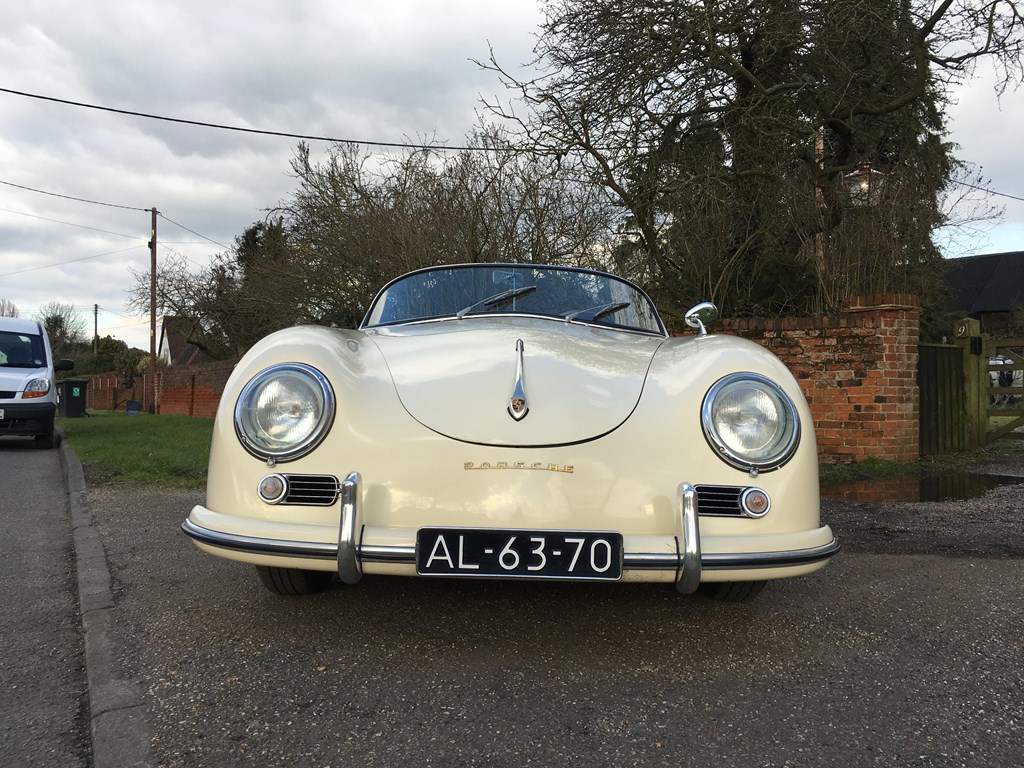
(21, 350)
(571, 295)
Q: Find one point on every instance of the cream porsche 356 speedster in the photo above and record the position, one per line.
(514, 421)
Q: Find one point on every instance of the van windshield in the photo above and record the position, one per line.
(21, 350)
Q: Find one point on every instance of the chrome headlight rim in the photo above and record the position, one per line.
(783, 452)
(307, 444)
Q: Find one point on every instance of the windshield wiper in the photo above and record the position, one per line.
(498, 298)
(597, 312)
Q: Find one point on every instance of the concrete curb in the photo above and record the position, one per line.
(120, 734)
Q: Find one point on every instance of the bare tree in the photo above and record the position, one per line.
(65, 327)
(7, 308)
(359, 220)
(244, 294)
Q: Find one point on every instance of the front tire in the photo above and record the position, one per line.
(732, 591)
(290, 582)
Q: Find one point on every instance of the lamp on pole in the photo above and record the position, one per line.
(869, 264)
(864, 185)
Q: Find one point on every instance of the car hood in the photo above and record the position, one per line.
(458, 378)
(14, 379)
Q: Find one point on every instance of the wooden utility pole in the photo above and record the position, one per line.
(152, 313)
(95, 329)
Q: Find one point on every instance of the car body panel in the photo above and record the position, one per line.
(614, 431)
(580, 381)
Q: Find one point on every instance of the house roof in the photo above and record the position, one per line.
(990, 283)
(174, 335)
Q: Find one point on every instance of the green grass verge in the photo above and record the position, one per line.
(869, 469)
(157, 450)
(174, 451)
(875, 469)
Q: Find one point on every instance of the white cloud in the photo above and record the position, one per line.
(388, 71)
(986, 129)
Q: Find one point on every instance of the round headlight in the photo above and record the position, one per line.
(750, 421)
(284, 412)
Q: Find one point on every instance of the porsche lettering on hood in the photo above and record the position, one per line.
(465, 381)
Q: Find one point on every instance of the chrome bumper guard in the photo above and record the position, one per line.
(688, 542)
(688, 562)
(349, 567)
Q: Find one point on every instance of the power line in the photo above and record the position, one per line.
(69, 261)
(173, 252)
(239, 129)
(285, 134)
(70, 224)
(68, 197)
(182, 226)
(990, 191)
(218, 126)
(80, 310)
(119, 314)
(98, 202)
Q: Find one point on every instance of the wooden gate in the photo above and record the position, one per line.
(971, 391)
(944, 424)
(1004, 406)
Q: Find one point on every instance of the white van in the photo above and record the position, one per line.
(28, 386)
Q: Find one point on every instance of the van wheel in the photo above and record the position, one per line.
(732, 591)
(46, 441)
(294, 581)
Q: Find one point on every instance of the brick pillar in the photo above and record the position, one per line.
(890, 404)
(858, 371)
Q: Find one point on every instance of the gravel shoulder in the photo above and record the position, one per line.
(987, 525)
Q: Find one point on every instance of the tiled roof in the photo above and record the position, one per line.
(990, 283)
(176, 331)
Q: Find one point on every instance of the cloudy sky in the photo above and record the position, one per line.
(387, 72)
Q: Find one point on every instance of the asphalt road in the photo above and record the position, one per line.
(43, 706)
(888, 657)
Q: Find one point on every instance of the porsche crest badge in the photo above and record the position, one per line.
(517, 407)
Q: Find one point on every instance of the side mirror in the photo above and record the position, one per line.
(63, 364)
(701, 316)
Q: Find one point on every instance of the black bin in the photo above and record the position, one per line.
(72, 397)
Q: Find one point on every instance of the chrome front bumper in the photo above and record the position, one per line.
(688, 562)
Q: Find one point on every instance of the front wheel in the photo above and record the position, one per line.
(294, 581)
(732, 591)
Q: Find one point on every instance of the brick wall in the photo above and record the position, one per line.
(193, 390)
(858, 372)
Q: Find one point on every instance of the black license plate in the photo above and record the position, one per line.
(520, 554)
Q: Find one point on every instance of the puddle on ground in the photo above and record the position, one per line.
(932, 486)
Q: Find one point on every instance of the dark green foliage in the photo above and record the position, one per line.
(110, 355)
(726, 131)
